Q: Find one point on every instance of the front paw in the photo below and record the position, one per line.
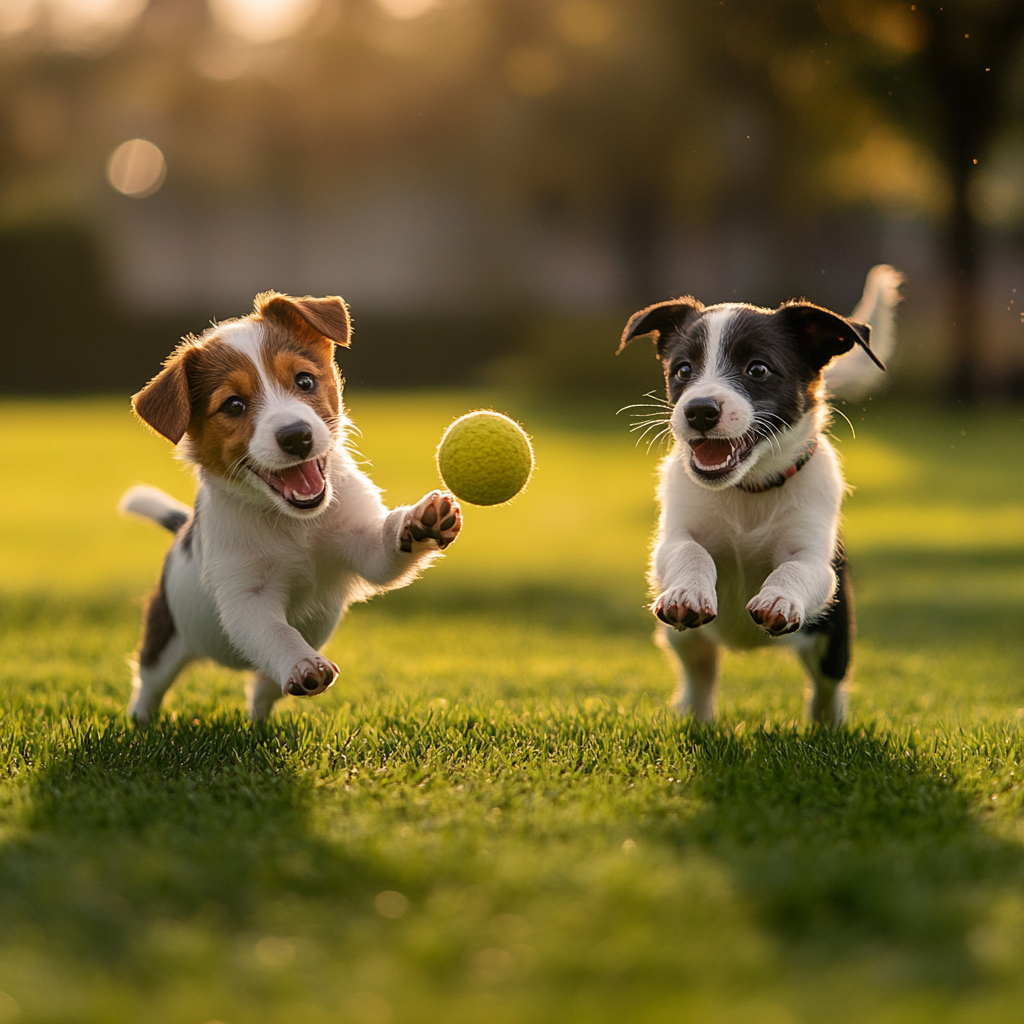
(437, 517)
(310, 677)
(685, 608)
(775, 614)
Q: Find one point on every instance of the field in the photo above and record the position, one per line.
(492, 816)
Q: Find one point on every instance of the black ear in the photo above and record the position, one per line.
(660, 318)
(823, 335)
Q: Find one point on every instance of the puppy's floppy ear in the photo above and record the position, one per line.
(822, 335)
(328, 316)
(660, 318)
(164, 403)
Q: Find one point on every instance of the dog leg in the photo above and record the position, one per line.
(254, 621)
(261, 695)
(696, 657)
(827, 701)
(794, 592)
(825, 647)
(688, 575)
(151, 681)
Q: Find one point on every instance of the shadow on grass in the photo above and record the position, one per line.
(848, 838)
(182, 822)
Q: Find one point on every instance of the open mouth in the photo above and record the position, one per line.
(715, 457)
(302, 486)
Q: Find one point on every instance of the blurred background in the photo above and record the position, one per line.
(495, 185)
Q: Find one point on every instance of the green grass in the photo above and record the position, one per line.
(498, 752)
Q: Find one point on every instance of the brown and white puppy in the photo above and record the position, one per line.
(748, 552)
(286, 532)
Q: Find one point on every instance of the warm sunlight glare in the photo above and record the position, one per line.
(263, 21)
(17, 15)
(136, 168)
(406, 9)
(78, 24)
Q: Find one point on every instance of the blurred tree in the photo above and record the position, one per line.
(967, 59)
(947, 73)
(633, 120)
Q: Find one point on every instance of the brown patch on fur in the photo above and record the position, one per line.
(218, 371)
(158, 627)
(287, 351)
(163, 404)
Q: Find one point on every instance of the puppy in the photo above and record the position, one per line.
(747, 550)
(286, 532)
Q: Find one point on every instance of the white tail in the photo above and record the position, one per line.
(854, 375)
(152, 503)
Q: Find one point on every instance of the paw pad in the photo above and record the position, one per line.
(437, 517)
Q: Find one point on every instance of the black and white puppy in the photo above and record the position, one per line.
(747, 549)
(287, 531)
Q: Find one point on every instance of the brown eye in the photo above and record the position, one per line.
(233, 406)
(757, 371)
(305, 381)
(684, 371)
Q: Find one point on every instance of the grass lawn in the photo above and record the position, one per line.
(492, 817)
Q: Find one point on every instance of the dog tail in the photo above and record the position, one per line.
(154, 504)
(854, 375)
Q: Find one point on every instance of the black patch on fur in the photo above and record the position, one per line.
(157, 625)
(750, 336)
(837, 623)
(185, 540)
(173, 520)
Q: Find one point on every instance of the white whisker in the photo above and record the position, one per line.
(648, 423)
(848, 420)
(657, 438)
(645, 433)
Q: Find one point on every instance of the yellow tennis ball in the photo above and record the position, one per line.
(485, 458)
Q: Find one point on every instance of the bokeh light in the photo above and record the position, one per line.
(263, 21)
(136, 168)
(17, 15)
(78, 25)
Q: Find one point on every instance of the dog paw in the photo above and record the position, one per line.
(681, 608)
(310, 677)
(437, 517)
(775, 614)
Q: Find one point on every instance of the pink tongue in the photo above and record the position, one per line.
(712, 453)
(305, 481)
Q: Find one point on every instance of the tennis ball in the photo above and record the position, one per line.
(485, 458)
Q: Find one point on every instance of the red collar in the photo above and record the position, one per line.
(780, 478)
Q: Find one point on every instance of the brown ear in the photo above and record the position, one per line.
(164, 403)
(327, 316)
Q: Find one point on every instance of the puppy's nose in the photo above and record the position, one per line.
(296, 439)
(702, 413)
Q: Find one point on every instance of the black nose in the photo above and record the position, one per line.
(702, 413)
(296, 439)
